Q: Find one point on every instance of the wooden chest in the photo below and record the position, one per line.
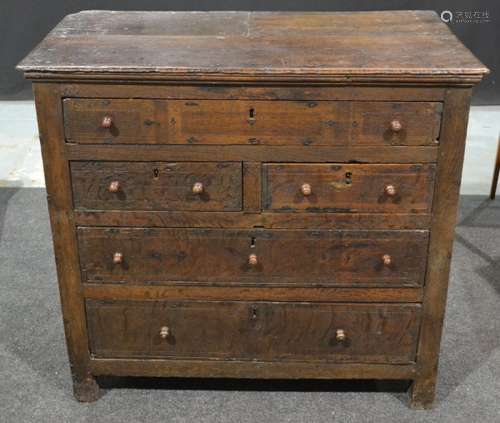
(253, 195)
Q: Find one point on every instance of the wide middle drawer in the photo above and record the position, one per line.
(253, 257)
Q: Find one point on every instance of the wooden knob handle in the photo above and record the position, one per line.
(306, 189)
(107, 122)
(164, 332)
(390, 190)
(198, 188)
(386, 259)
(340, 335)
(114, 186)
(117, 258)
(252, 259)
(396, 126)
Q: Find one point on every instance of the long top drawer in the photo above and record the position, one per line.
(198, 122)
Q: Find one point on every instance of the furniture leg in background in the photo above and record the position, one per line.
(494, 183)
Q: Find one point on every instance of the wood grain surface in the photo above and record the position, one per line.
(349, 188)
(157, 186)
(254, 331)
(211, 256)
(226, 122)
(253, 194)
(308, 46)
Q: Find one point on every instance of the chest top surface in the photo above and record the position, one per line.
(314, 46)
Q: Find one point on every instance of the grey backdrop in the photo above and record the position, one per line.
(23, 23)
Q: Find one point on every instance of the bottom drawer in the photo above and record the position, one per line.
(265, 331)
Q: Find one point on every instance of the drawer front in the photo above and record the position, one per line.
(341, 123)
(377, 188)
(117, 121)
(260, 122)
(259, 257)
(157, 186)
(254, 331)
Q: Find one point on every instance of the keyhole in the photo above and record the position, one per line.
(252, 242)
(156, 173)
(348, 178)
(251, 113)
(254, 313)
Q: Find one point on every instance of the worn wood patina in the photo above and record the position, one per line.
(253, 194)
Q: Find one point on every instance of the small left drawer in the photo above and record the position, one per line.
(155, 186)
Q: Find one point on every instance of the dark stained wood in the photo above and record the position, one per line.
(446, 195)
(250, 219)
(303, 122)
(349, 188)
(249, 369)
(252, 181)
(260, 122)
(132, 121)
(148, 89)
(211, 256)
(253, 153)
(250, 122)
(374, 46)
(373, 123)
(157, 186)
(111, 292)
(242, 107)
(254, 331)
(57, 180)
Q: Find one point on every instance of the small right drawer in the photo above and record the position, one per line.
(356, 188)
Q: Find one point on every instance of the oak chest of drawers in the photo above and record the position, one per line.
(253, 195)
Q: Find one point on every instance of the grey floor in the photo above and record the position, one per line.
(35, 382)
